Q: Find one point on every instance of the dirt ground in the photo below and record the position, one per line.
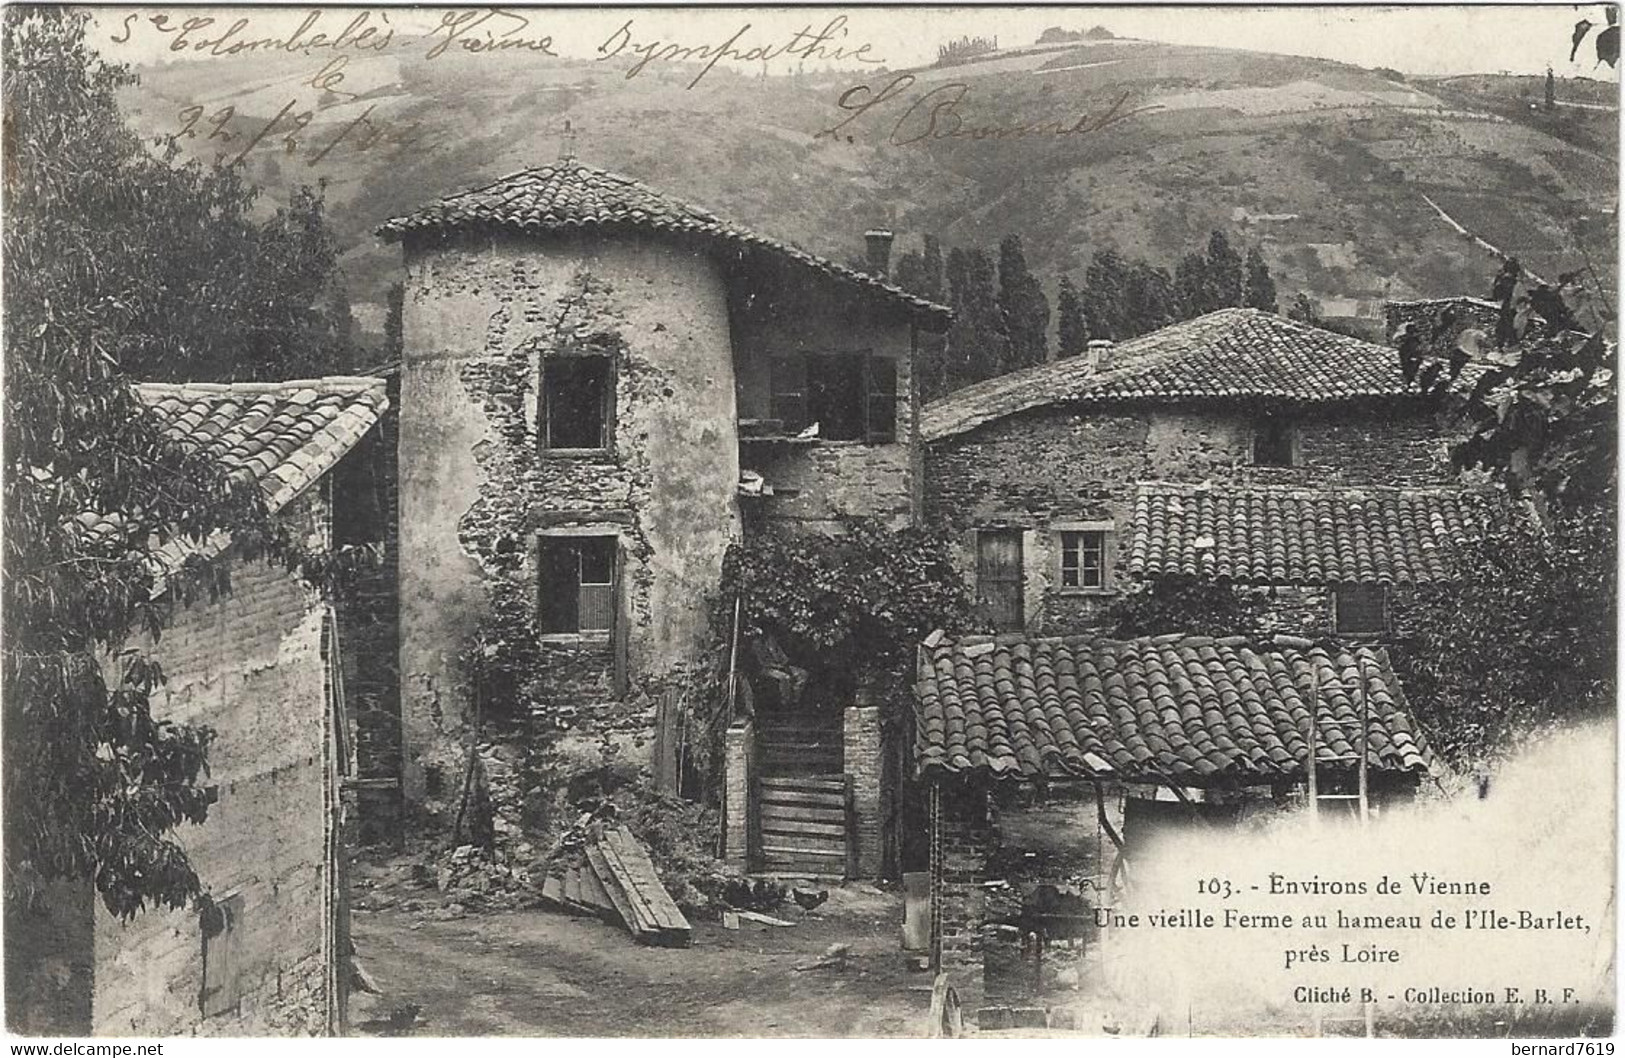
(541, 973)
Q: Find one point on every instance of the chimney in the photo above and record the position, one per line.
(1100, 354)
(879, 242)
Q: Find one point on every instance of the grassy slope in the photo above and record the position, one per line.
(1347, 150)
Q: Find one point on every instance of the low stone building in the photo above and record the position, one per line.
(1237, 438)
(267, 951)
(601, 389)
(1122, 741)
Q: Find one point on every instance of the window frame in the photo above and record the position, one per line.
(575, 534)
(1107, 531)
(607, 401)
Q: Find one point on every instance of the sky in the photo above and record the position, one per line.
(1440, 39)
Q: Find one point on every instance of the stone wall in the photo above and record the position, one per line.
(738, 780)
(250, 666)
(815, 485)
(1057, 467)
(476, 490)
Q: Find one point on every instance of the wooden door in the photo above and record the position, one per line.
(998, 578)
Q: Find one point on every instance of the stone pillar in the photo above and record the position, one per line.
(861, 757)
(738, 774)
(961, 836)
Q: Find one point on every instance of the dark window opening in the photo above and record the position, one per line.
(1083, 559)
(851, 396)
(998, 578)
(576, 395)
(1272, 443)
(576, 584)
(1362, 608)
(788, 402)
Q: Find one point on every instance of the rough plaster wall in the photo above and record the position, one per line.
(478, 315)
(832, 479)
(1059, 464)
(248, 665)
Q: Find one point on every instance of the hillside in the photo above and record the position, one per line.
(1330, 168)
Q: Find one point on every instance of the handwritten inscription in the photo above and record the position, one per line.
(941, 114)
(827, 44)
(290, 131)
(493, 29)
(202, 34)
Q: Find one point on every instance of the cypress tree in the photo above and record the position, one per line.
(1074, 325)
(1224, 272)
(1023, 306)
(1260, 293)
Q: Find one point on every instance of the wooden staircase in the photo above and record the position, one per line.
(803, 823)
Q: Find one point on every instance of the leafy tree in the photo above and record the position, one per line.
(1304, 309)
(1521, 636)
(112, 258)
(1224, 272)
(1074, 326)
(1260, 292)
(1023, 306)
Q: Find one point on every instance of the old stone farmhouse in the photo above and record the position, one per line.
(260, 665)
(602, 388)
(1240, 446)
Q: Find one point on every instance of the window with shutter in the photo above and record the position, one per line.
(1083, 560)
(788, 402)
(576, 402)
(882, 424)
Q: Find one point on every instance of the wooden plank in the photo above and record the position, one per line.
(835, 785)
(553, 889)
(647, 879)
(593, 893)
(832, 831)
(792, 850)
(811, 814)
(637, 901)
(572, 885)
(617, 899)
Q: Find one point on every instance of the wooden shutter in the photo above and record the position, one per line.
(882, 424)
(998, 578)
(222, 955)
(619, 633)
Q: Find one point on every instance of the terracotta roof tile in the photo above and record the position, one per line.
(1263, 534)
(572, 196)
(1229, 355)
(282, 435)
(1188, 709)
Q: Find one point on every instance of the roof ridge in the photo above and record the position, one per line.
(336, 383)
(1233, 487)
(1256, 641)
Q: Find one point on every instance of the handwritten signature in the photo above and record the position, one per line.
(806, 43)
(937, 115)
(192, 35)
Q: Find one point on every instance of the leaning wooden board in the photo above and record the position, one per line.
(612, 888)
(652, 907)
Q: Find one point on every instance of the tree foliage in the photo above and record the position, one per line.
(847, 607)
(1023, 306)
(112, 258)
(1521, 636)
(1073, 336)
(1260, 292)
(1193, 607)
(978, 345)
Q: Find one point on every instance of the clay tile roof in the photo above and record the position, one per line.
(571, 196)
(1265, 534)
(283, 435)
(1229, 355)
(1191, 710)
